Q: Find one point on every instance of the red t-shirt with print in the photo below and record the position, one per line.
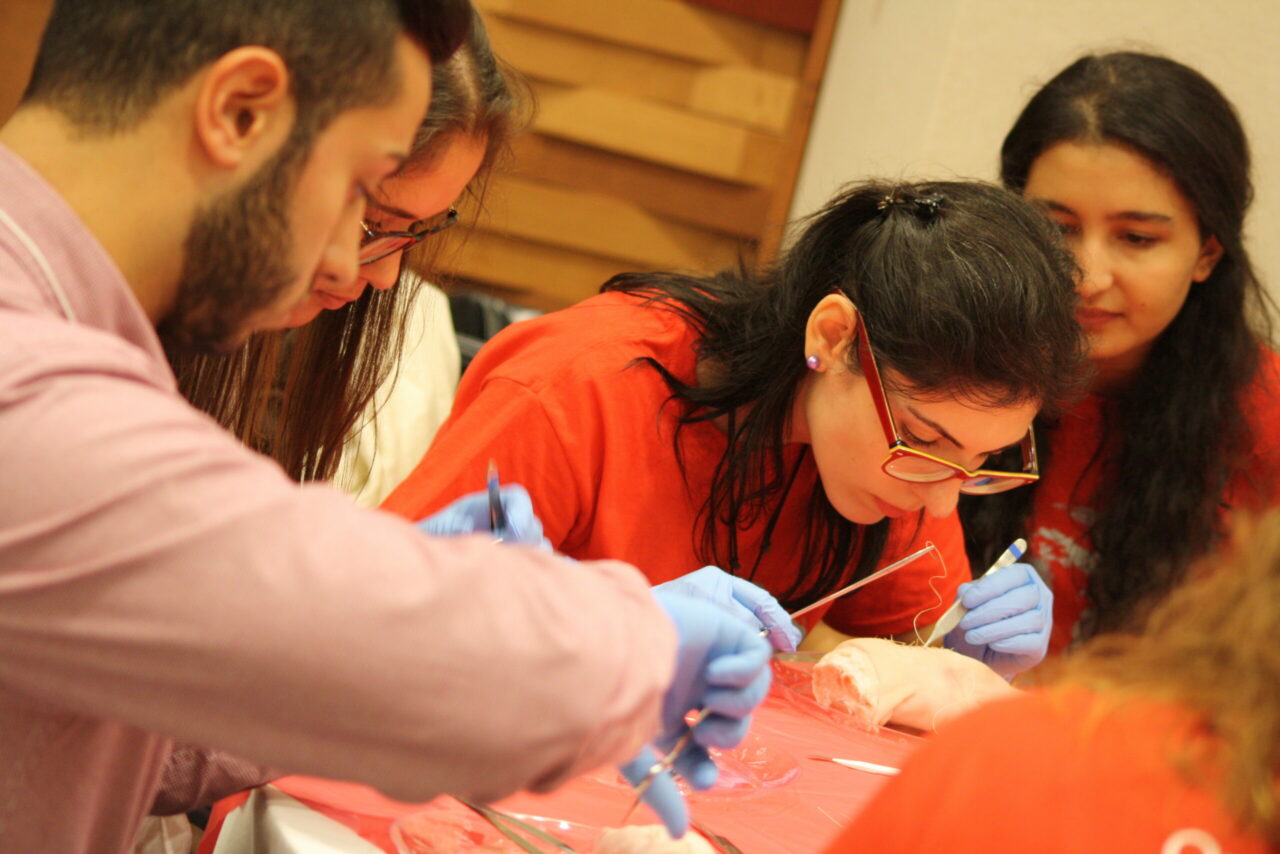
(560, 405)
(1060, 545)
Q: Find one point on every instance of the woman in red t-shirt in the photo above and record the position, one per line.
(737, 419)
(1145, 167)
(1166, 742)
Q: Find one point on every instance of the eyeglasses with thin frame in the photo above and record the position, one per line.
(376, 245)
(906, 463)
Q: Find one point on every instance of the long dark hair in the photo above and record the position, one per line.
(296, 395)
(1176, 435)
(965, 291)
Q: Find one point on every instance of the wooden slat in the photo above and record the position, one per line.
(658, 133)
(792, 154)
(665, 26)
(603, 225)
(679, 196)
(746, 95)
(738, 93)
(796, 15)
(532, 274)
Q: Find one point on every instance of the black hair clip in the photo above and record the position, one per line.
(926, 207)
(930, 205)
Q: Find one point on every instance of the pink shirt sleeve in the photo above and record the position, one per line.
(158, 574)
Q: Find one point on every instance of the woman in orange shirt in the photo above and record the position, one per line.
(740, 419)
(1145, 166)
(1165, 742)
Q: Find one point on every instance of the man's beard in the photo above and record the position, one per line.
(236, 261)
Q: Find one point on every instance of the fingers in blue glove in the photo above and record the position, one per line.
(737, 702)
(784, 635)
(663, 796)
(470, 514)
(697, 767)
(1017, 634)
(974, 594)
(723, 732)
(741, 669)
(1006, 607)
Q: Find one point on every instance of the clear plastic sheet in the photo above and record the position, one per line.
(772, 797)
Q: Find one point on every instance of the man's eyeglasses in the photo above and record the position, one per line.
(906, 463)
(376, 245)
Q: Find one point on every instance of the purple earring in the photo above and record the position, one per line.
(812, 362)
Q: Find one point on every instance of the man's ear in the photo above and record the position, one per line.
(244, 110)
(1210, 254)
(829, 332)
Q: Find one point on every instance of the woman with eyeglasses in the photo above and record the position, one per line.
(801, 427)
(1144, 165)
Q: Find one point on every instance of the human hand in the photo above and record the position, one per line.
(470, 514)
(1009, 621)
(754, 605)
(663, 795)
(722, 666)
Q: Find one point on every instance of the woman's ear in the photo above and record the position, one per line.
(244, 111)
(829, 332)
(1210, 254)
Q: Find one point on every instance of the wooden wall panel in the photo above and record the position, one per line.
(681, 196)
(665, 27)
(665, 137)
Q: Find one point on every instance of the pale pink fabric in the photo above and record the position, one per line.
(159, 582)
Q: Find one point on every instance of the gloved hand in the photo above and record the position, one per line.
(722, 664)
(470, 514)
(749, 603)
(1009, 620)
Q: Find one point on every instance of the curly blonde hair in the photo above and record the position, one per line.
(1211, 647)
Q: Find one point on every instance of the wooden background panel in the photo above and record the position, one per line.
(666, 27)
(656, 132)
(538, 275)
(739, 93)
(800, 16)
(667, 136)
(607, 226)
(680, 196)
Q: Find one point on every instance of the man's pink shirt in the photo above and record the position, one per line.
(160, 583)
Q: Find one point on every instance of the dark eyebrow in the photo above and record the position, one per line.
(935, 425)
(1141, 216)
(942, 431)
(394, 211)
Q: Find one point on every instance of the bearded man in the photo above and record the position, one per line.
(187, 168)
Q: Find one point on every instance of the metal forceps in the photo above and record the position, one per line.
(669, 759)
(497, 512)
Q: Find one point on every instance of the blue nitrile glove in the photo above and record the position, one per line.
(722, 664)
(470, 514)
(754, 605)
(1009, 620)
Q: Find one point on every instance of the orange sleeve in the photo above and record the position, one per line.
(913, 596)
(503, 421)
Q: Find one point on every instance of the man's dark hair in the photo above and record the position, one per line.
(105, 64)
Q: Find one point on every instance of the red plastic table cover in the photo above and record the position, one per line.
(773, 797)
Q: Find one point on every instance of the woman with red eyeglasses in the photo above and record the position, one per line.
(798, 428)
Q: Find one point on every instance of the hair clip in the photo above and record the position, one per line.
(930, 204)
(883, 204)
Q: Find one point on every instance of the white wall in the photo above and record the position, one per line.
(928, 88)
